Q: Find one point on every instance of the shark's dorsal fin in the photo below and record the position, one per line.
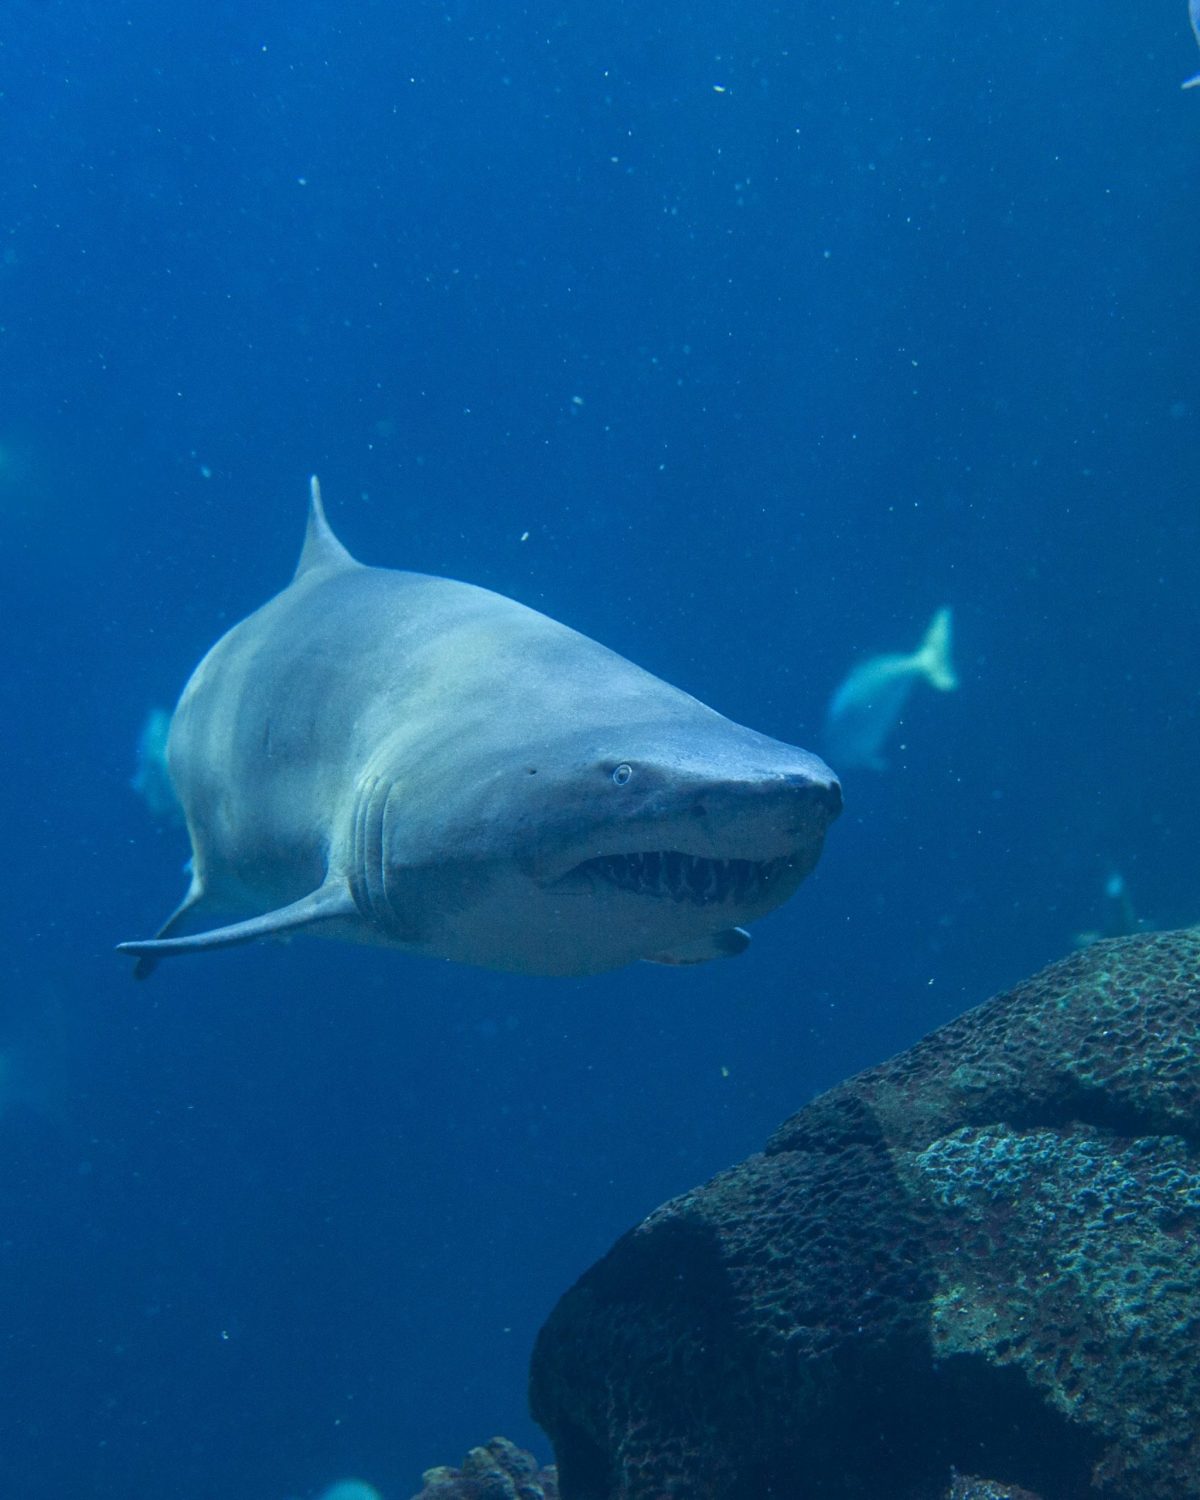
(321, 548)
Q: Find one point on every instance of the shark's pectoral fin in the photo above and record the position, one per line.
(327, 902)
(726, 944)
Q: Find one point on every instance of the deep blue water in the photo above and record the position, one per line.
(774, 327)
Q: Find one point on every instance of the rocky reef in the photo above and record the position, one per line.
(980, 1258)
(498, 1470)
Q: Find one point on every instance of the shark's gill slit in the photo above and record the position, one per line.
(368, 870)
(685, 877)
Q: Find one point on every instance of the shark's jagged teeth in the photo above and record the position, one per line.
(686, 877)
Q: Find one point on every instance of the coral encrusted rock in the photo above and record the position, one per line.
(969, 1487)
(498, 1470)
(982, 1257)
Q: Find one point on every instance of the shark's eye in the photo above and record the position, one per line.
(622, 773)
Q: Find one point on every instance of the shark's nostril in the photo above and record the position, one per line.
(825, 794)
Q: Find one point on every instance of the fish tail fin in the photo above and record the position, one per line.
(1192, 82)
(933, 654)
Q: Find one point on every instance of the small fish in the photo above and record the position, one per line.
(1119, 919)
(868, 705)
(1194, 17)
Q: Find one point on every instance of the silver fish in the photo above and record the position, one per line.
(868, 704)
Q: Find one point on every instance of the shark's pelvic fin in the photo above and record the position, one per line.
(327, 902)
(190, 904)
(725, 944)
(321, 548)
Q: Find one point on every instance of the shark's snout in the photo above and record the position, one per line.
(815, 785)
(826, 785)
(811, 799)
(772, 812)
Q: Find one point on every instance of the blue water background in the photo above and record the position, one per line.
(739, 337)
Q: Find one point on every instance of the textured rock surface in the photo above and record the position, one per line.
(982, 1256)
(968, 1487)
(498, 1470)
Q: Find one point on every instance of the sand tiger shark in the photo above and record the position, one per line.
(393, 758)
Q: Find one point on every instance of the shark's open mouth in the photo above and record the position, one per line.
(687, 877)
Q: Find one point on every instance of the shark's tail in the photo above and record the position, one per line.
(933, 654)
